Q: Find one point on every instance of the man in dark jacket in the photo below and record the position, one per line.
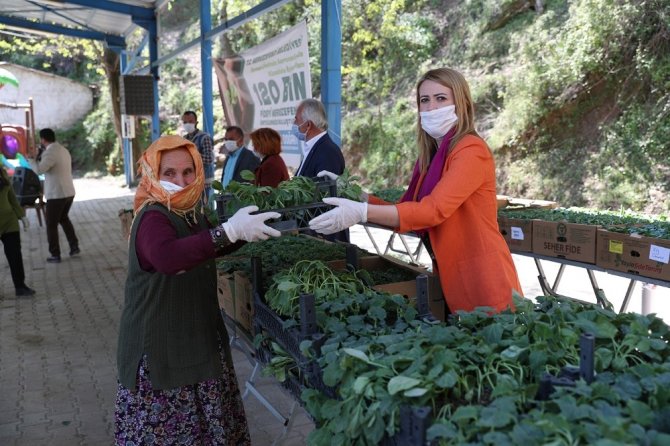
(320, 152)
(238, 157)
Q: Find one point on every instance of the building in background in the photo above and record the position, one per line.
(59, 103)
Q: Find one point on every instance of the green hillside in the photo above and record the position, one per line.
(572, 96)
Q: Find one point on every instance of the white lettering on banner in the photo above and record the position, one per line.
(517, 233)
(659, 254)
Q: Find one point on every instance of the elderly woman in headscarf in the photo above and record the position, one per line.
(176, 376)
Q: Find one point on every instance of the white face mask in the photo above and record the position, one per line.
(230, 146)
(439, 121)
(189, 127)
(170, 188)
(251, 148)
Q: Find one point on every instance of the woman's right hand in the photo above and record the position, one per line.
(345, 214)
(250, 228)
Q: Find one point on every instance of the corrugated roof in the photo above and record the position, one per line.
(76, 15)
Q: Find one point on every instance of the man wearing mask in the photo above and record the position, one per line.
(55, 163)
(319, 152)
(238, 158)
(205, 147)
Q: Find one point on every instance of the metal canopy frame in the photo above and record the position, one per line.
(99, 20)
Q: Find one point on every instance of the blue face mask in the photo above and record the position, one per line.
(297, 133)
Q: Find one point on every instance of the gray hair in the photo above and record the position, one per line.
(313, 110)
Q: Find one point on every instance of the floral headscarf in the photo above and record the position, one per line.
(186, 201)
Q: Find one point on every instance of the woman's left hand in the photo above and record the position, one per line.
(346, 214)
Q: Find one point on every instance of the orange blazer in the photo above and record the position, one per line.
(473, 261)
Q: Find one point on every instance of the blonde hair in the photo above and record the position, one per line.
(465, 110)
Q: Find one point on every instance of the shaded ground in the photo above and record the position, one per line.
(58, 348)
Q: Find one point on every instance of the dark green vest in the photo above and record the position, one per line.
(173, 319)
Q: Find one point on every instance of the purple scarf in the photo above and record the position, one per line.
(434, 171)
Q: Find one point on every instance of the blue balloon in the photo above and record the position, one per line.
(23, 162)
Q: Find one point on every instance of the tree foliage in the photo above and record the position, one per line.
(76, 59)
(561, 87)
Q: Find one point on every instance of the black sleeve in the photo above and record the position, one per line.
(330, 160)
(247, 161)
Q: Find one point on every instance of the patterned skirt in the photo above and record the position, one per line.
(207, 413)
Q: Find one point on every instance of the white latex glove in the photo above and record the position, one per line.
(250, 228)
(346, 214)
(327, 174)
(25, 222)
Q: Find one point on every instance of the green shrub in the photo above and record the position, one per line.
(381, 144)
(92, 142)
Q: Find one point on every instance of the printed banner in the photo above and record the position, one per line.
(263, 86)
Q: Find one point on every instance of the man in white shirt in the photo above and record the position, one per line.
(55, 163)
(320, 152)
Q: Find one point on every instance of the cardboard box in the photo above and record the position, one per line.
(564, 240)
(126, 217)
(634, 254)
(225, 287)
(517, 233)
(244, 303)
(405, 288)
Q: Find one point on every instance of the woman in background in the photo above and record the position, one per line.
(10, 214)
(267, 144)
(451, 200)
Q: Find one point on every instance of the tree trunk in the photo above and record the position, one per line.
(111, 62)
(226, 47)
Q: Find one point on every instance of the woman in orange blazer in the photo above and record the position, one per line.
(272, 170)
(451, 198)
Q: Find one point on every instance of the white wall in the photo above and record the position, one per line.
(59, 102)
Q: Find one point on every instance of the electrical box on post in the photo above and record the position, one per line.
(137, 95)
(127, 127)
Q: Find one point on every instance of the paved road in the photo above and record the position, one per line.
(58, 348)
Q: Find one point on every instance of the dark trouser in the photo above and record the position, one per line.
(12, 244)
(57, 210)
